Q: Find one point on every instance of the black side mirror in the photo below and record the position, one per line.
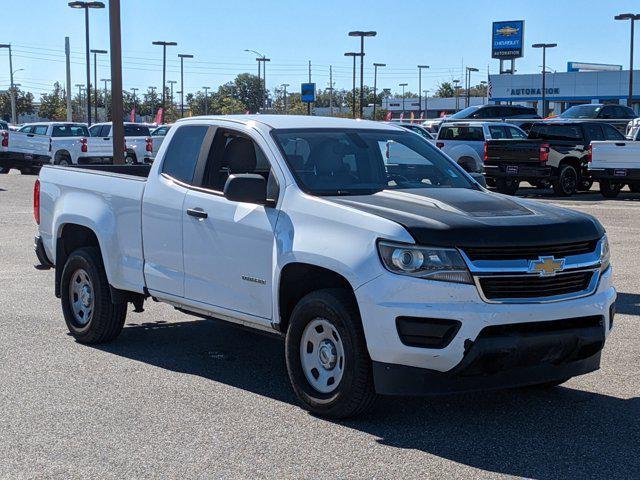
(478, 177)
(246, 187)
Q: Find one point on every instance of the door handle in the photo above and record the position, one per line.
(29, 134)
(197, 212)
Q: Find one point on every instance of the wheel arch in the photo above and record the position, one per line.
(60, 154)
(72, 236)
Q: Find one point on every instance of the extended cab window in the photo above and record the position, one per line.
(182, 154)
(593, 131)
(461, 133)
(610, 133)
(497, 132)
(70, 131)
(516, 133)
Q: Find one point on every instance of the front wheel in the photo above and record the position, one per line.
(507, 186)
(567, 181)
(610, 189)
(327, 359)
(89, 313)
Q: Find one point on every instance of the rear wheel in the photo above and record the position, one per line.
(130, 159)
(327, 359)
(610, 189)
(90, 315)
(567, 181)
(585, 185)
(635, 188)
(64, 161)
(507, 186)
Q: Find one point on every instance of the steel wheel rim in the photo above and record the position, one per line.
(322, 355)
(81, 297)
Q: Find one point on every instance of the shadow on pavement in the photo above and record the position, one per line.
(628, 304)
(555, 433)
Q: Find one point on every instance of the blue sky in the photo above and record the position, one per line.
(410, 32)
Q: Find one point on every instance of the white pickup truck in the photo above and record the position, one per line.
(138, 141)
(158, 135)
(615, 164)
(61, 143)
(383, 276)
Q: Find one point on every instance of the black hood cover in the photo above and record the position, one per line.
(458, 217)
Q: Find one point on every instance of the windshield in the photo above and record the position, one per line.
(581, 111)
(360, 162)
(466, 113)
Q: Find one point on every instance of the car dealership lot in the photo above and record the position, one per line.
(174, 396)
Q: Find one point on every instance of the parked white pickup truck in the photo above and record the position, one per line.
(35, 144)
(158, 135)
(615, 164)
(138, 141)
(383, 276)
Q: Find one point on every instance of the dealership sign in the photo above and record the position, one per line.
(308, 92)
(533, 91)
(507, 39)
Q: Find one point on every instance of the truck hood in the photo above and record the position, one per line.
(457, 217)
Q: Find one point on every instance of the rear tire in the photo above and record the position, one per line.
(567, 181)
(507, 186)
(585, 185)
(325, 341)
(635, 188)
(130, 159)
(90, 315)
(610, 189)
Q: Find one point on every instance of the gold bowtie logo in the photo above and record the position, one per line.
(546, 266)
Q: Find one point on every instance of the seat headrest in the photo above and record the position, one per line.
(240, 156)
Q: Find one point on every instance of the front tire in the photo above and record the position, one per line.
(90, 315)
(327, 359)
(130, 159)
(610, 189)
(507, 186)
(567, 181)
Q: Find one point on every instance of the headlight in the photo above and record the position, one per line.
(605, 254)
(444, 264)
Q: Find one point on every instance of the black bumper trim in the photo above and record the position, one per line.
(524, 171)
(632, 175)
(38, 247)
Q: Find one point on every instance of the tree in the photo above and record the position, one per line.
(24, 103)
(445, 90)
(479, 90)
(53, 105)
(247, 89)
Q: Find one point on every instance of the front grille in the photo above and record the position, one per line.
(530, 286)
(530, 253)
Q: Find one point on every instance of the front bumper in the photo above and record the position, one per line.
(389, 296)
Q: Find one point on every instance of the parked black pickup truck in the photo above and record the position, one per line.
(556, 153)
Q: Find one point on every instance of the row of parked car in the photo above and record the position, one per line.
(65, 143)
(567, 153)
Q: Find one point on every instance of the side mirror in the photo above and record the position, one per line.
(247, 188)
(478, 177)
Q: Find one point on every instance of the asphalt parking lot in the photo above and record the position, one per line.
(178, 397)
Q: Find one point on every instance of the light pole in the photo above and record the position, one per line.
(285, 85)
(172, 83)
(182, 57)
(105, 80)
(456, 91)
(153, 105)
(264, 95)
(164, 46)
(361, 34)
(375, 85)
(403, 85)
(354, 55)
(486, 95)
(420, 68)
(134, 90)
(544, 47)
(86, 6)
(80, 113)
(632, 17)
(206, 100)
(426, 103)
(261, 58)
(467, 79)
(95, 81)
(12, 90)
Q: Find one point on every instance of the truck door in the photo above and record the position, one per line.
(229, 246)
(163, 211)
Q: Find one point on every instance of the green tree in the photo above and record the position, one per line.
(24, 103)
(445, 90)
(53, 105)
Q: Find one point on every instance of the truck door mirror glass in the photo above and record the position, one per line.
(247, 188)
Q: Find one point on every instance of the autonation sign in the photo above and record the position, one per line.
(507, 39)
(534, 91)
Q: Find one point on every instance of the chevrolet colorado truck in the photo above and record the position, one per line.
(614, 165)
(554, 154)
(383, 275)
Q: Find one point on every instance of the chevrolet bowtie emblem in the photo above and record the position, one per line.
(546, 266)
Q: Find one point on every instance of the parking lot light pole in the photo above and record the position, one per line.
(86, 6)
(206, 100)
(172, 83)
(420, 67)
(12, 90)
(153, 91)
(403, 85)
(361, 34)
(95, 81)
(105, 80)
(164, 70)
(134, 90)
(632, 17)
(467, 79)
(544, 47)
(426, 103)
(375, 85)
(182, 56)
(285, 85)
(354, 55)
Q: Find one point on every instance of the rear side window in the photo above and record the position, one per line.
(610, 133)
(594, 132)
(182, 154)
(95, 131)
(497, 132)
(70, 131)
(469, 134)
(516, 133)
(136, 131)
(556, 132)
